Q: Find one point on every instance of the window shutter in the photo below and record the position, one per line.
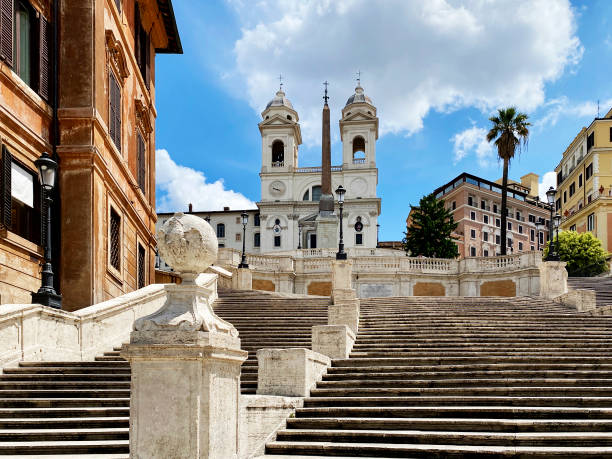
(44, 65)
(117, 115)
(141, 164)
(6, 31)
(111, 106)
(5, 205)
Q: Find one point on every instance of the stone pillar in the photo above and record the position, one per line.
(553, 279)
(185, 360)
(334, 341)
(245, 279)
(345, 307)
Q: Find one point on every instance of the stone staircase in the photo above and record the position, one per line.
(601, 285)
(462, 377)
(269, 321)
(66, 409)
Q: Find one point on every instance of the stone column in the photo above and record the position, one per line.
(244, 279)
(185, 360)
(345, 307)
(553, 279)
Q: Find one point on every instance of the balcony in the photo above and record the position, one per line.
(359, 160)
(278, 164)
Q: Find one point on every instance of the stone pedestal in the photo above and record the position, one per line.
(327, 231)
(553, 279)
(344, 313)
(345, 307)
(334, 341)
(342, 275)
(244, 279)
(291, 372)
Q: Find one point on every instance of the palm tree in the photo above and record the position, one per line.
(510, 132)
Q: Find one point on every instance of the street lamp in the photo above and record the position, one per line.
(377, 235)
(299, 237)
(46, 294)
(539, 224)
(245, 220)
(557, 219)
(550, 195)
(341, 255)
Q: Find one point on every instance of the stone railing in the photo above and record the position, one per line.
(428, 265)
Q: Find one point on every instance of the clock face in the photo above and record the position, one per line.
(277, 188)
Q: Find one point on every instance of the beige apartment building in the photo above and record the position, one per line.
(476, 206)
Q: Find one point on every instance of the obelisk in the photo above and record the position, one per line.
(327, 222)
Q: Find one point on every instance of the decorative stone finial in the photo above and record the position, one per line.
(188, 244)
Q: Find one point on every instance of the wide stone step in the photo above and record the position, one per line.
(38, 370)
(65, 447)
(48, 413)
(63, 385)
(434, 451)
(79, 434)
(74, 401)
(454, 424)
(396, 361)
(470, 375)
(69, 393)
(595, 353)
(580, 439)
(61, 377)
(91, 364)
(468, 367)
(466, 383)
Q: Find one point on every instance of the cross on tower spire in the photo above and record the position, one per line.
(280, 79)
(325, 97)
(358, 77)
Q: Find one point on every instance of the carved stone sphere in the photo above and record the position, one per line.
(188, 244)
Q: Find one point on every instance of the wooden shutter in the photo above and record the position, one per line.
(117, 115)
(114, 112)
(141, 163)
(6, 31)
(44, 59)
(7, 160)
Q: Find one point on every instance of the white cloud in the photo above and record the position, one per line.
(182, 185)
(474, 140)
(548, 179)
(554, 109)
(415, 55)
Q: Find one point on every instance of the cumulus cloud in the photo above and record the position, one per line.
(180, 185)
(473, 140)
(416, 56)
(548, 179)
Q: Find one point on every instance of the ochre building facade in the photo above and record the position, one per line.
(78, 81)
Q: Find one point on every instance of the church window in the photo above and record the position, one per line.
(256, 240)
(277, 241)
(359, 239)
(316, 193)
(358, 150)
(289, 117)
(306, 196)
(220, 230)
(278, 154)
(257, 220)
(277, 221)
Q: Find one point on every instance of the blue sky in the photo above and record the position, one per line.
(435, 70)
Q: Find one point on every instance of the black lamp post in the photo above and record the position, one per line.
(377, 235)
(245, 220)
(539, 224)
(299, 237)
(46, 294)
(341, 254)
(550, 195)
(557, 219)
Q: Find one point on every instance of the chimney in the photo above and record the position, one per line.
(531, 181)
(190, 208)
(226, 209)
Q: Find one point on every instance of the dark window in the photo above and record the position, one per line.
(509, 243)
(7, 30)
(454, 205)
(591, 222)
(520, 229)
(611, 134)
(118, 4)
(518, 215)
(498, 222)
(114, 113)
(256, 220)
(485, 236)
(141, 266)
(473, 251)
(564, 197)
(495, 208)
(21, 199)
(221, 245)
(483, 205)
(220, 230)
(579, 180)
(558, 204)
(472, 215)
(572, 189)
(141, 160)
(589, 171)
(590, 140)
(316, 193)
(573, 228)
(358, 148)
(485, 253)
(278, 153)
(470, 201)
(541, 237)
(497, 239)
(485, 219)
(358, 239)
(532, 235)
(142, 48)
(473, 233)
(520, 246)
(531, 218)
(306, 196)
(256, 240)
(559, 178)
(277, 241)
(115, 240)
(510, 225)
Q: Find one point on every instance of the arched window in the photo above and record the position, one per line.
(306, 196)
(289, 117)
(278, 154)
(359, 149)
(220, 230)
(316, 193)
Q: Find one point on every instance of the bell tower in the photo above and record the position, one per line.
(280, 135)
(359, 131)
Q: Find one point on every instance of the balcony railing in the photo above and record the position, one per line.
(307, 170)
(278, 164)
(359, 160)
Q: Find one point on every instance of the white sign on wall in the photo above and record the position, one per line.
(22, 185)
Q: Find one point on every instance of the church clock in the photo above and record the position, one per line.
(277, 188)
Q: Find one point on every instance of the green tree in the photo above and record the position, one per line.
(510, 132)
(582, 252)
(430, 230)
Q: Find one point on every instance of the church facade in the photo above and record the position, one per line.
(288, 214)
